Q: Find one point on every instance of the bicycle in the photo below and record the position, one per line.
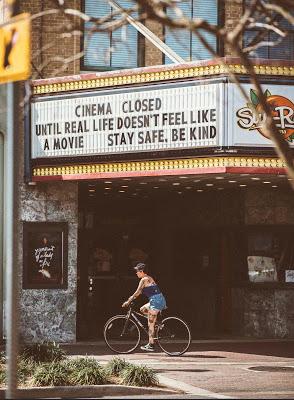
(122, 333)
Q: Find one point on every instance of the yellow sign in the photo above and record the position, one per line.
(15, 49)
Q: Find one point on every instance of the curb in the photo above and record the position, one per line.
(189, 389)
(87, 391)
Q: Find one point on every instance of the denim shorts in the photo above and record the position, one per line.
(157, 302)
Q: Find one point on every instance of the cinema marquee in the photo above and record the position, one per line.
(119, 117)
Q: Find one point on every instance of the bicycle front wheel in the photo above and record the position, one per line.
(174, 336)
(121, 334)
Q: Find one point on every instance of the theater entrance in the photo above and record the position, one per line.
(160, 229)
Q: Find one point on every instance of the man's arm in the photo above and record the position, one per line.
(137, 292)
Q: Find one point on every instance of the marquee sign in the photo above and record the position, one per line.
(165, 117)
(175, 116)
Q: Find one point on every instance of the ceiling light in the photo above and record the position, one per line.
(122, 191)
(124, 186)
(155, 187)
(143, 183)
(220, 188)
(242, 185)
(108, 182)
(209, 184)
(219, 177)
(107, 188)
(274, 186)
(196, 180)
(183, 177)
(127, 179)
(266, 182)
(199, 190)
(162, 180)
(281, 176)
(188, 187)
(179, 192)
(244, 174)
(91, 190)
(176, 183)
(232, 181)
(255, 179)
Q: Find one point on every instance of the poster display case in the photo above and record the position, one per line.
(45, 246)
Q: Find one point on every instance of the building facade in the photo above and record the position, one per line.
(210, 210)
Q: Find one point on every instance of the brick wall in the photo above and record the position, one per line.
(232, 13)
(55, 50)
(153, 56)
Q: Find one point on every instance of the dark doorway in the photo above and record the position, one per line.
(115, 232)
(193, 282)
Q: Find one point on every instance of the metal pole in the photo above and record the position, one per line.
(12, 238)
(163, 47)
(1, 230)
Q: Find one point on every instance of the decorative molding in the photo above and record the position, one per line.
(141, 76)
(159, 166)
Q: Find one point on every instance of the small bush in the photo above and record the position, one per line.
(25, 368)
(116, 365)
(43, 352)
(2, 357)
(138, 375)
(51, 374)
(86, 371)
(2, 375)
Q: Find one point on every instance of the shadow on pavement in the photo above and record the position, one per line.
(182, 370)
(266, 348)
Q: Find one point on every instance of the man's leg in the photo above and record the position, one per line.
(145, 308)
(152, 316)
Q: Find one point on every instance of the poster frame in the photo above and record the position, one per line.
(41, 229)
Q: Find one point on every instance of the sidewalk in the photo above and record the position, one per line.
(236, 368)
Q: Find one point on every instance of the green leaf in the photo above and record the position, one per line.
(254, 98)
(267, 93)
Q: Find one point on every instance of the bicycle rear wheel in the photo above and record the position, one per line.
(174, 336)
(121, 334)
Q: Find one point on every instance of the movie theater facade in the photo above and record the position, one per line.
(167, 165)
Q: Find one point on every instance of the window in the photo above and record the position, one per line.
(270, 255)
(183, 42)
(109, 50)
(284, 49)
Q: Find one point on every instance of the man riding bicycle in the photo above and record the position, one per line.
(157, 303)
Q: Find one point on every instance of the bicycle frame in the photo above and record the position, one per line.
(134, 314)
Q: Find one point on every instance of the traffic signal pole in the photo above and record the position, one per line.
(12, 239)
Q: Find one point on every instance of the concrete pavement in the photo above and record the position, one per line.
(255, 369)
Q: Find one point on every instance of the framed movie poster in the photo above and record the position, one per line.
(45, 246)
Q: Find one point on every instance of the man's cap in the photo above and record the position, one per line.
(140, 267)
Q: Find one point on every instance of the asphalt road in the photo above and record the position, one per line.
(246, 369)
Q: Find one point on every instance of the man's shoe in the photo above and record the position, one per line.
(147, 347)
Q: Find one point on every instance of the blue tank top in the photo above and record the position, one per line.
(150, 291)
